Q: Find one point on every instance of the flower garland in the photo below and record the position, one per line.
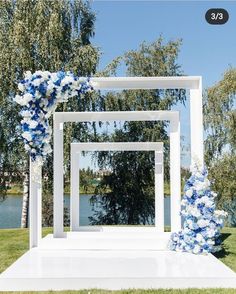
(202, 223)
(40, 94)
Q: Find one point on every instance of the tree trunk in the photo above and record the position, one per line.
(25, 201)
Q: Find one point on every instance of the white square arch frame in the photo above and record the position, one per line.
(62, 117)
(193, 83)
(77, 148)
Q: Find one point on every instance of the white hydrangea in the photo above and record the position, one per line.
(32, 124)
(203, 223)
(28, 75)
(189, 193)
(67, 80)
(21, 87)
(210, 232)
(47, 149)
(27, 136)
(37, 82)
(54, 77)
(25, 113)
(26, 98)
(194, 211)
(196, 249)
(220, 213)
(199, 237)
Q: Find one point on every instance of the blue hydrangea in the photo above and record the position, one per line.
(40, 94)
(202, 222)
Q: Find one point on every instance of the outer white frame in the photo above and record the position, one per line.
(62, 117)
(77, 148)
(193, 83)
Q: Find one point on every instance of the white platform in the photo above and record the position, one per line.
(65, 267)
(109, 238)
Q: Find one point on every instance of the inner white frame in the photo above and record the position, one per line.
(77, 148)
(193, 83)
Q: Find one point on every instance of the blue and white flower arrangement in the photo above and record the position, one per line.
(201, 221)
(40, 94)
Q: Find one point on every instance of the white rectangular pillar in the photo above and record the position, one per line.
(58, 180)
(196, 119)
(74, 189)
(175, 179)
(159, 191)
(35, 204)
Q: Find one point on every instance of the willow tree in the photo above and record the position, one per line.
(39, 35)
(220, 143)
(130, 199)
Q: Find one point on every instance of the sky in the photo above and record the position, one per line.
(207, 50)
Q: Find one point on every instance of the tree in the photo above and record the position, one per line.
(131, 200)
(220, 143)
(220, 117)
(40, 35)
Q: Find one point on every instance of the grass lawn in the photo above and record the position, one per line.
(14, 242)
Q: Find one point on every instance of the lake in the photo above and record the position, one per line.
(10, 210)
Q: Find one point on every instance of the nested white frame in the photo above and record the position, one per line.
(77, 148)
(62, 117)
(193, 83)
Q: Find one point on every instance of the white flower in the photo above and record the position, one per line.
(27, 98)
(210, 242)
(196, 249)
(50, 87)
(45, 75)
(28, 75)
(189, 193)
(210, 232)
(18, 99)
(23, 100)
(207, 183)
(27, 147)
(27, 136)
(47, 149)
(37, 82)
(213, 194)
(220, 213)
(32, 124)
(190, 224)
(54, 77)
(67, 80)
(25, 113)
(21, 87)
(195, 212)
(38, 73)
(199, 237)
(199, 186)
(203, 223)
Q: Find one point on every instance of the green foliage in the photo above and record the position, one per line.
(12, 155)
(86, 178)
(131, 199)
(220, 143)
(40, 35)
(132, 189)
(220, 117)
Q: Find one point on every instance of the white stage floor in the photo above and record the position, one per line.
(63, 269)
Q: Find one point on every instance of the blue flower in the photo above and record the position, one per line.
(37, 108)
(201, 226)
